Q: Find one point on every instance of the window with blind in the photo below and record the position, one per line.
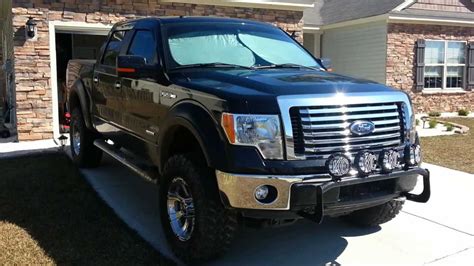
(445, 65)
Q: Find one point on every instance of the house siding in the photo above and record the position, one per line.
(32, 56)
(358, 50)
(400, 69)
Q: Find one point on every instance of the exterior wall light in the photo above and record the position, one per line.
(31, 28)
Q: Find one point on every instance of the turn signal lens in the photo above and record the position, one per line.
(229, 126)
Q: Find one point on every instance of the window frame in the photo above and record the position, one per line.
(124, 43)
(445, 66)
(155, 44)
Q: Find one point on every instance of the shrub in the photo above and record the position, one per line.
(449, 127)
(433, 123)
(463, 112)
(434, 114)
(417, 122)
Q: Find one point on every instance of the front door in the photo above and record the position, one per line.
(141, 95)
(108, 94)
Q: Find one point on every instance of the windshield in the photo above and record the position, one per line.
(234, 44)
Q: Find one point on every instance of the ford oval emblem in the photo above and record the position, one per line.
(362, 127)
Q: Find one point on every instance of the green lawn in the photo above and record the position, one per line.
(456, 152)
(50, 215)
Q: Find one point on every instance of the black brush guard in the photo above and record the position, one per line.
(423, 197)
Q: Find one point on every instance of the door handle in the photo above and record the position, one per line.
(118, 85)
(95, 80)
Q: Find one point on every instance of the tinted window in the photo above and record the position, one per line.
(143, 45)
(113, 48)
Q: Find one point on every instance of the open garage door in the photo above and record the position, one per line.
(70, 40)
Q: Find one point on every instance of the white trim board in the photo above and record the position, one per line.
(431, 21)
(70, 27)
(389, 18)
(248, 4)
(404, 5)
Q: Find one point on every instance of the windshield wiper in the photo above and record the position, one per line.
(287, 65)
(216, 64)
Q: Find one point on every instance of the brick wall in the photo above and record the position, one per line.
(401, 41)
(32, 64)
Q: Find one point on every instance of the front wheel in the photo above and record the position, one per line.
(195, 222)
(375, 215)
(83, 151)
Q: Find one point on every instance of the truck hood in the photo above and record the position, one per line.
(252, 88)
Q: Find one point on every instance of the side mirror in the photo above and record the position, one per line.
(130, 66)
(327, 63)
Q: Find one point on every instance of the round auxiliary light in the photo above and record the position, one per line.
(261, 192)
(366, 162)
(338, 165)
(413, 154)
(389, 160)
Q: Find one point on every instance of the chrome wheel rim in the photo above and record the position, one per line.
(76, 139)
(181, 209)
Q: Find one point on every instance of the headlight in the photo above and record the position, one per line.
(260, 131)
(409, 114)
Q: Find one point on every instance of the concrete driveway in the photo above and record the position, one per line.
(440, 232)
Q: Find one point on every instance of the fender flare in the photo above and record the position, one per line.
(79, 95)
(196, 119)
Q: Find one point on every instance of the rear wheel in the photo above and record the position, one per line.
(83, 151)
(195, 222)
(375, 215)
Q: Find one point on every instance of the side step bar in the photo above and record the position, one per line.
(150, 174)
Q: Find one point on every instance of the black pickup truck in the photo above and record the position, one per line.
(238, 124)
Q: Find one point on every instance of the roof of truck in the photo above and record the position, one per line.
(185, 19)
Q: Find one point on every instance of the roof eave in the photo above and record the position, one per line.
(399, 18)
(270, 4)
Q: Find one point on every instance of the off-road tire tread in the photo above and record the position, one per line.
(215, 229)
(375, 215)
(90, 156)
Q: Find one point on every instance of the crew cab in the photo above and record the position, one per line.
(238, 124)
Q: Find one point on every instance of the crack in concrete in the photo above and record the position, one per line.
(449, 255)
(447, 226)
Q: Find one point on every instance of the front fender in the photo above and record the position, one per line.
(204, 127)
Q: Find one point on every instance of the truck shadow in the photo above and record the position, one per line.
(50, 215)
(304, 243)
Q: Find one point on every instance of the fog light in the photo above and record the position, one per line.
(413, 155)
(366, 162)
(261, 192)
(389, 160)
(338, 165)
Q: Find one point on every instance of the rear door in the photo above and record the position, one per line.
(141, 95)
(108, 95)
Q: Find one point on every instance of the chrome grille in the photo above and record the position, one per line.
(321, 131)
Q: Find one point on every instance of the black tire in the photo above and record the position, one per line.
(375, 215)
(214, 226)
(87, 155)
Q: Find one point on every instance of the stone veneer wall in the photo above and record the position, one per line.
(32, 57)
(401, 41)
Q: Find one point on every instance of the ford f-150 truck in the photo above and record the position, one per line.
(238, 124)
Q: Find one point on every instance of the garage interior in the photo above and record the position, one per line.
(69, 46)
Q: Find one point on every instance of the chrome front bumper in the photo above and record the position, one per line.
(238, 190)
